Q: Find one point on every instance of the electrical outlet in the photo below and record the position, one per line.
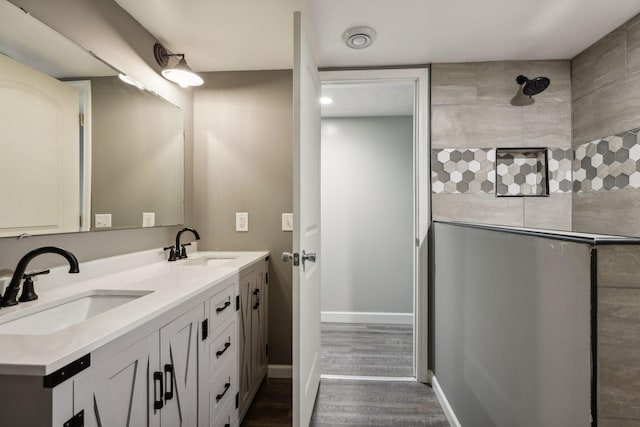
(287, 222)
(148, 219)
(103, 220)
(242, 221)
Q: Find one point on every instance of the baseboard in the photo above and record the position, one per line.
(280, 371)
(363, 317)
(446, 407)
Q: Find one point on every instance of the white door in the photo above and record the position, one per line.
(306, 234)
(39, 152)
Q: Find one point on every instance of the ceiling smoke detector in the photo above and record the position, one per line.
(359, 37)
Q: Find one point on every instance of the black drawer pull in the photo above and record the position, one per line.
(224, 307)
(256, 292)
(227, 425)
(157, 378)
(168, 369)
(226, 347)
(221, 395)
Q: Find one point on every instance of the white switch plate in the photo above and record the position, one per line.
(148, 219)
(242, 221)
(287, 222)
(103, 220)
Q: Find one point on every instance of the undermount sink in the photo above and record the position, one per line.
(63, 314)
(209, 260)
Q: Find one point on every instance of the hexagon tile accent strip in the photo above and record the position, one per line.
(560, 170)
(608, 164)
(463, 171)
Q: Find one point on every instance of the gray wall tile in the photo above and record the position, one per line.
(454, 84)
(608, 212)
(633, 45)
(479, 208)
(551, 212)
(547, 125)
(602, 63)
(618, 355)
(619, 266)
(609, 110)
(473, 126)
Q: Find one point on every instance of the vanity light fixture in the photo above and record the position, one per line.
(179, 72)
(359, 37)
(325, 100)
(130, 81)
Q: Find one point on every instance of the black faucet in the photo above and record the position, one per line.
(176, 253)
(11, 292)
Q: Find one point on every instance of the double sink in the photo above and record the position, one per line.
(54, 316)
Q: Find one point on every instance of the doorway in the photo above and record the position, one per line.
(373, 145)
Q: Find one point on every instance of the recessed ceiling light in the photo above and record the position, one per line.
(359, 37)
(325, 100)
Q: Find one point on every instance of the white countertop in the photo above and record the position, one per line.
(171, 283)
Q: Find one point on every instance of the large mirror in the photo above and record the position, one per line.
(82, 147)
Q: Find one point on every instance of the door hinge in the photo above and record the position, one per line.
(205, 329)
(76, 421)
(81, 119)
(266, 278)
(237, 302)
(237, 400)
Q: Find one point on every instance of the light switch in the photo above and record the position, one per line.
(242, 221)
(103, 220)
(287, 222)
(148, 219)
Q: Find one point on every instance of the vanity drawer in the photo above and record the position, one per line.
(227, 416)
(223, 350)
(222, 397)
(222, 307)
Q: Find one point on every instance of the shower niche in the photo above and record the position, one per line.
(522, 172)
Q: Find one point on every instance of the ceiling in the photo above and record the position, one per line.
(257, 34)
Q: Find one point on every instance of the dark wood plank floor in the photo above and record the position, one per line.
(350, 403)
(366, 349)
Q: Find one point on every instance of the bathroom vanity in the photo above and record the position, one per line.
(135, 340)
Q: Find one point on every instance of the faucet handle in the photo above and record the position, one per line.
(183, 252)
(172, 253)
(35, 273)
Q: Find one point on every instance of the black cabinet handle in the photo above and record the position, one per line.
(224, 307)
(226, 347)
(227, 425)
(221, 395)
(157, 379)
(168, 369)
(256, 292)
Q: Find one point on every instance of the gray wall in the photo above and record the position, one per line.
(243, 158)
(105, 29)
(512, 328)
(471, 108)
(606, 102)
(367, 214)
(137, 155)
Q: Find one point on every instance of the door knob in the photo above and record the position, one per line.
(311, 257)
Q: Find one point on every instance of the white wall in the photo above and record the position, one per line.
(367, 214)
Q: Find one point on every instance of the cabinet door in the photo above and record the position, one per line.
(258, 323)
(119, 392)
(263, 359)
(247, 285)
(179, 363)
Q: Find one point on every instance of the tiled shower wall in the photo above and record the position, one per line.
(472, 114)
(606, 103)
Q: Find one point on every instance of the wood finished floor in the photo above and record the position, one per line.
(350, 403)
(366, 349)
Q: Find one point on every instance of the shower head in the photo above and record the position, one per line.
(533, 86)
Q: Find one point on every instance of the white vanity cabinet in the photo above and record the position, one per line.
(253, 334)
(179, 367)
(153, 382)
